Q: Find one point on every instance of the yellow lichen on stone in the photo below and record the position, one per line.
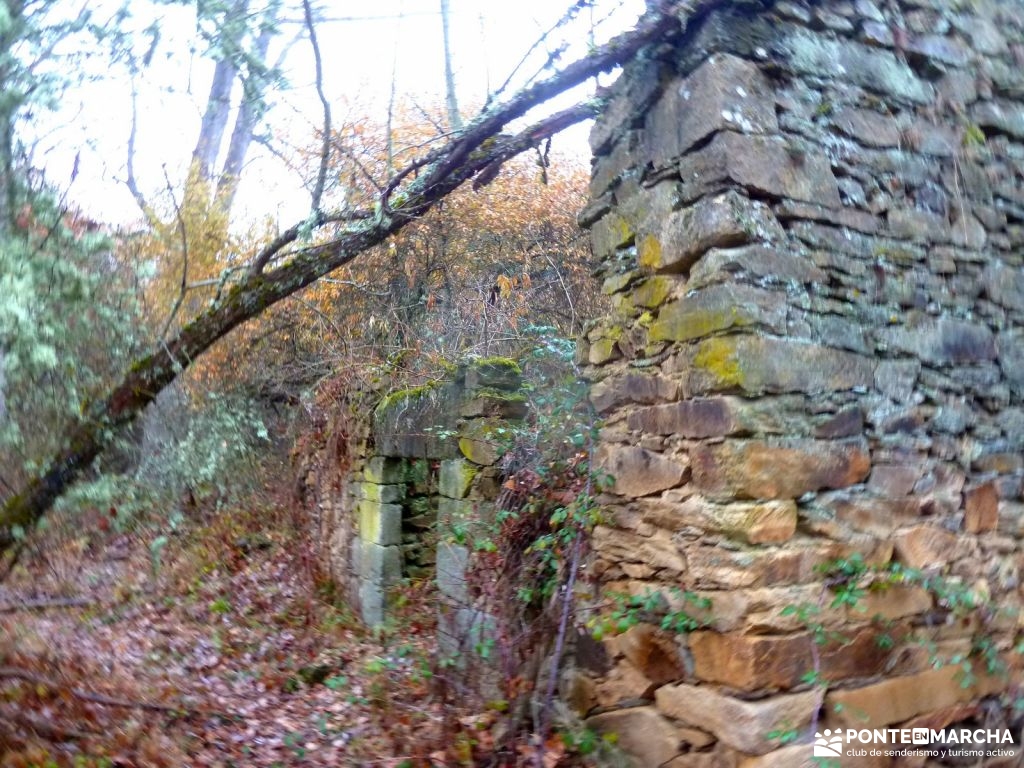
(678, 322)
(718, 358)
(652, 292)
(649, 252)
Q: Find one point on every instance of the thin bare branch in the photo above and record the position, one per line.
(567, 17)
(325, 150)
(183, 234)
(94, 698)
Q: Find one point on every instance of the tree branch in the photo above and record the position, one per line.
(325, 150)
(444, 169)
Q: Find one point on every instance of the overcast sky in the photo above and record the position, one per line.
(362, 43)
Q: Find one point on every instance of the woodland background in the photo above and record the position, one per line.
(165, 611)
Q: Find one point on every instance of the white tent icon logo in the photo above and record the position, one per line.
(828, 744)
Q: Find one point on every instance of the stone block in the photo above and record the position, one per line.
(761, 522)
(494, 404)
(757, 262)
(715, 568)
(849, 422)
(493, 373)
(371, 603)
(385, 470)
(642, 732)
(897, 378)
(754, 662)
(925, 546)
(631, 94)
(942, 342)
(380, 523)
(651, 651)
(877, 70)
(919, 226)
(725, 221)
(1010, 345)
(764, 364)
(876, 517)
(609, 234)
(380, 565)
(653, 291)
(381, 494)
(479, 450)
(603, 350)
(695, 418)
(639, 472)
(719, 308)
(754, 469)
(1001, 463)
(766, 522)
(899, 699)
(640, 388)
(455, 478)
(624, 685)
(769, 166)
(452, 560)
(981, 508)
(724, 93)
(742, 725)
(868, 127)
(657, 551)
(895, 602)
(1004, 285)
(1003, 116)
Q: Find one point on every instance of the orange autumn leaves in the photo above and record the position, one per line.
(470, 276)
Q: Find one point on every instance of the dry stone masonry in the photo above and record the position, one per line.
(397, 488)
(811, 224)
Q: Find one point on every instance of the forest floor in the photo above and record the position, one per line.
(215, 646)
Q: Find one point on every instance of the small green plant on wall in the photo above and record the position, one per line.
(847, 584)
(627, 611)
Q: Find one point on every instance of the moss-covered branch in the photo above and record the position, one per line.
(478, 147)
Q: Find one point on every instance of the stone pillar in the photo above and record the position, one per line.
(811, 228)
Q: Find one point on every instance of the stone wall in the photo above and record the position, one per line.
(811, 221)
(394, 476)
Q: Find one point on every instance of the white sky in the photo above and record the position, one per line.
(489, 37)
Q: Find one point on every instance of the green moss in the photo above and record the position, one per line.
(498, 362)
(497, 394)
(405, 395)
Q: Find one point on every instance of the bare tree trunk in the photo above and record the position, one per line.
(12, 101)
(241, 135)
(215, 119)
(454, 118)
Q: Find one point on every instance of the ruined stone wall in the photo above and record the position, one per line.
(811, 221)
(398, 477)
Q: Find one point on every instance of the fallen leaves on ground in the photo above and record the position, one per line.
(217, 653)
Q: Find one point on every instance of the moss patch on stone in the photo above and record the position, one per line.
(405, 395)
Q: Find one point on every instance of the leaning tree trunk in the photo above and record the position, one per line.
(478, 149)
